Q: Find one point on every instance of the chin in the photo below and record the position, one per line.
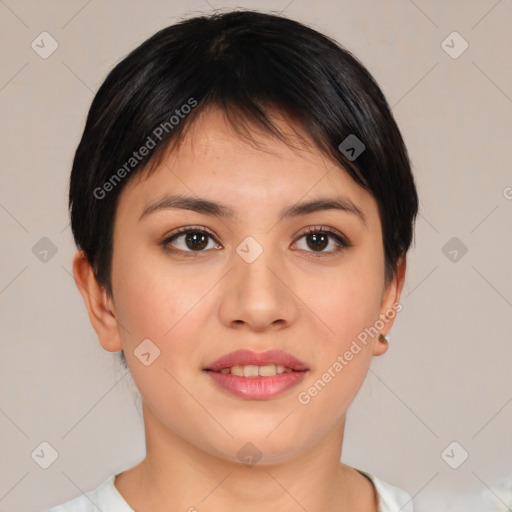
(260, 449)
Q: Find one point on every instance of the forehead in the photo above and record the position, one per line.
(215, 161)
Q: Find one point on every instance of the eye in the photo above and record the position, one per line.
(319, 238)
(194, 239)
(197, 239)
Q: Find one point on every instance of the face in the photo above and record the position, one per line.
(254, 280)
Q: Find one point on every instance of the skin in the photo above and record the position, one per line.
(197, 306)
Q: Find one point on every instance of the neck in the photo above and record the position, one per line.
(177, 475)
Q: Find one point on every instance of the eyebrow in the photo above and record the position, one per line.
(215, 209)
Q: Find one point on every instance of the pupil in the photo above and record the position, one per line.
(199, 241)
(316, 238)
(194, 238)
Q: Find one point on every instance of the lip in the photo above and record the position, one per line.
(247, 357)
(256, 388)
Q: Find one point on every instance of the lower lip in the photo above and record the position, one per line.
(257, 388)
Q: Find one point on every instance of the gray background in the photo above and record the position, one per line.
(447, 376)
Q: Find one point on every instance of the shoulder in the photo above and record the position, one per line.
(105, 498)
(391, 498)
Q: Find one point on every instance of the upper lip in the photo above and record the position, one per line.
(247, 357)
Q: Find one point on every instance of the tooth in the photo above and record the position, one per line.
(267, 371)
(250, 370)
(237, 370)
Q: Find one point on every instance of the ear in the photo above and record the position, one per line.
(100, 306)
(390, 303)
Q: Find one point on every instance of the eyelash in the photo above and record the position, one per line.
(342, 242)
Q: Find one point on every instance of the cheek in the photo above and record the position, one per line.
(145, 303)
(347, 306)
(145, 289)
(348, 300)
(344, 347)
(159, 301)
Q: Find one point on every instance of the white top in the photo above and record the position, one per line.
(106, 498)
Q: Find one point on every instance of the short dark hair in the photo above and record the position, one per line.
(250, 64)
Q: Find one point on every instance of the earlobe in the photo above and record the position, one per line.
(381, 345)
(98, 303)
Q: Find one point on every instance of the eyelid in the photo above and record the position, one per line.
(185, 229)
(325, 229)
(342, 241)
(176, 233)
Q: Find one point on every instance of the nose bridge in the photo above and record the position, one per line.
(255, 266)
(255, 293)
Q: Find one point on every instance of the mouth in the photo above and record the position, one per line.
(251, 387)
(269, 370)
(245, 363)
(256, 376)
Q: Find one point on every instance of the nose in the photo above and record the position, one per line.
(258, 295)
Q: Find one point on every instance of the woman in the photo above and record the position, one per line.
(243, 203)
